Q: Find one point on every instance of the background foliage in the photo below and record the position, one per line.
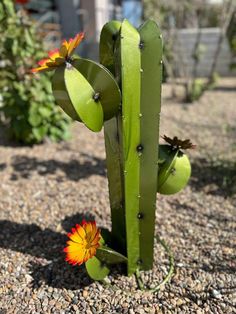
(27, 105)
(174, 15)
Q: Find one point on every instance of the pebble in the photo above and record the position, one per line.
(216, 294)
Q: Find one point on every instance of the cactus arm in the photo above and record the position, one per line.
(151, 55)
(107, 44)
(112, 134)
(131, 82)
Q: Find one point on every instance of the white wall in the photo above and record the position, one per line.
(102, 10)
(185, 45)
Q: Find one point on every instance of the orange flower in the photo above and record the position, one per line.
(83, 243)
(59, 56)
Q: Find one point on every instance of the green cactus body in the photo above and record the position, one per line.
(132, 137)
(130, 55)
(151, 55)
(112, 134)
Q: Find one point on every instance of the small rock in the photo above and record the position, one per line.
(75, 307)
(85, 294)
(45, 302)
(216, 294)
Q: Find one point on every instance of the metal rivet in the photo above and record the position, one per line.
(140, 216)
(141, 45)
(139, 196)
(68, 65)
(160, 36)
(96, 97)
(114, 36)
(173, 171)
(141, 70)
(140, 115)
(161, 62)
(139, 148)
(125, 171)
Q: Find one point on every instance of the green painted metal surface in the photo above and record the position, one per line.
(60, 93)
(113, 144)
(151, 57)
(103, 83)
(82, 95)
(132, 138)
(110, 256)
(109, 34)
(174, 172)
(115, 182)
(96, 269)
(75, 96)
(131, 83)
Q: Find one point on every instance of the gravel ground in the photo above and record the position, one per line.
(45, 190)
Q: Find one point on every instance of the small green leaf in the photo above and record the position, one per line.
(35, 119)
(39, 132)
(96, 269)
(110, 256)
(45, 112)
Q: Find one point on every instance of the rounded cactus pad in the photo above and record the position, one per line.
(75, 96)
(174, 170)
(104, 84)
(87, 92)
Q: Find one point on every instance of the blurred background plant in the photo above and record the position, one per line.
(231, 34)
(28, 110)
(189, 27)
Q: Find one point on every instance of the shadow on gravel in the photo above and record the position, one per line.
(214, 177)
(23, 166)
(46, 246)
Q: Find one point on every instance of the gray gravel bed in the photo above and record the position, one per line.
(47, 189)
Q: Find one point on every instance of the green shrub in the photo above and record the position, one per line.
(27, 105)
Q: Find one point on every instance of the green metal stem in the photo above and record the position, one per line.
(167, 277)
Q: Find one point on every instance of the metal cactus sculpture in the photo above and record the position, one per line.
(123, 94)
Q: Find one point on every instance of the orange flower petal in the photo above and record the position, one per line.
(96, 238)
(43, 62)
(81, 232)
(42, 69)
(53, 54)
(88, 229)
(73, 44)
(63, 51)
